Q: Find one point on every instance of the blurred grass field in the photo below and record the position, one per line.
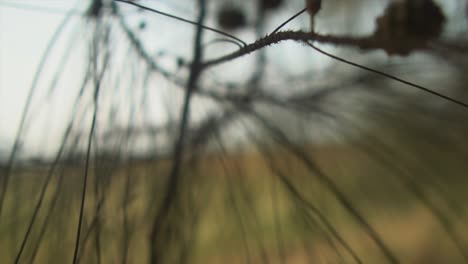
(237, 210)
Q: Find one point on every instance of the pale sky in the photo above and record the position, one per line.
(26, 26)
(24, 34)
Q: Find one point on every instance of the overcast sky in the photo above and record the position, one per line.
(26, 27)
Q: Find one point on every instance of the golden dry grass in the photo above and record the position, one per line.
(240, 206)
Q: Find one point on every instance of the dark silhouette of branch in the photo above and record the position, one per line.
(364, 43)
(157, 234)
(308, 37)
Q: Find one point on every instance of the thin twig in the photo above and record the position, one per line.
(97, 86)
(330, 185)
(287, 21)
(185, 20)
(463, 104)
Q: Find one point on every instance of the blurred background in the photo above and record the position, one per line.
(116, 146)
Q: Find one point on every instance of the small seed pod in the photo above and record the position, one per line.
(231, 18)
(94, 9)
(142, 25)
(313, 7)
(411, 19)
(413, 23)
(270, 4)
